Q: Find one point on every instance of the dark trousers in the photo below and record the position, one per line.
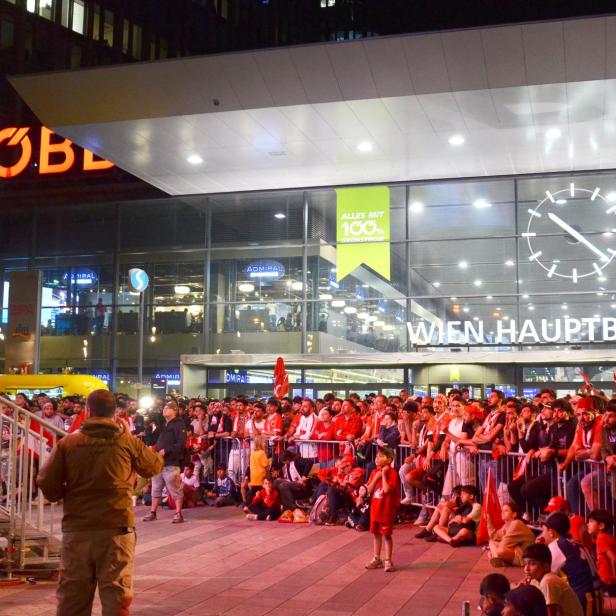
(263, 511)
(289, 492)
(338, 498)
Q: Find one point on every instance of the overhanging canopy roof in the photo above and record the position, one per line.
(526, 98)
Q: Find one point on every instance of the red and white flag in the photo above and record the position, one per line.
(77, 421)
(281, 379)
(490, 512)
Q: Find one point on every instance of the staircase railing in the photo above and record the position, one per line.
(29, 524)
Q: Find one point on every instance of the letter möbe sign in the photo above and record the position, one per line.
(55, 156)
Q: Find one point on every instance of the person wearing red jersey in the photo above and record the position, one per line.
(265, 504)
(273, 420)
(384, 487)
(347, 424)
(586, 445)
(324, 430)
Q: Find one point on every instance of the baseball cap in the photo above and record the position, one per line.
(557, 503)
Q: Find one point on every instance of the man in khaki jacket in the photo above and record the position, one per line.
(92, 470)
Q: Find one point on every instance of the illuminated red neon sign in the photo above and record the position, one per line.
(54, 157)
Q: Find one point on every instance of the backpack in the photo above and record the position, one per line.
(320, 511)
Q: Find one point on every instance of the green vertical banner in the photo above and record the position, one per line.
(362, 235)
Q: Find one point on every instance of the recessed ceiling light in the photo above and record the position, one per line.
(181, 289)
(453, 299)
(246, 287)
(509, 262)
(553, 133)
(363, 315)
(475, 318)
(325, 296)
(338, 303)
(456, 140)
(596, 316)
(607, 234)
(611, 196)
(436, 284)
(463, 264)
(194, 159)
(280, 215)
(499, 308)
(477, 283)
(465, 309)
(297, 286)
(350, 309)
(488, 297)
(388, 328)
(416, 207)
(481, 204)
(602, 278)
(365, 146)
(525, 296)
(531, 307)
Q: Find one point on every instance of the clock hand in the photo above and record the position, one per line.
(578, 236)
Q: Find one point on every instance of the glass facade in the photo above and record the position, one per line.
(256, 273)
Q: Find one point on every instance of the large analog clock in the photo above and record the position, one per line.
(555, 215)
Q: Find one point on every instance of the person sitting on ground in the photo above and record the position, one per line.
(571, 560)
(559, 596)
(525, 601)
(578, 528)
(600, 528)
(190, 486)
(293, 481)
(441, 514)
(508, 542)
(224, 489)
(462, 524)
(493, 589)
(342, 482)
(265, 504)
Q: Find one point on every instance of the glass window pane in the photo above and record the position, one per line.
(79, 15)
(452, 210)
(257, 219)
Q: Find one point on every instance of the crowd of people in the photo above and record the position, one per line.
(370, 462)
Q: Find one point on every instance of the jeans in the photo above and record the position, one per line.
(485, 465)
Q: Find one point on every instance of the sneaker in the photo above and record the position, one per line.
(268, 518)
(423, 534)
(431, 538)
(251, 516)
(406, 501)
(388, 566)
(422, 520)
(150, 517)
(375, 563)
(178, 518)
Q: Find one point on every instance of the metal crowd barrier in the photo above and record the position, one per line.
(29, 524)
(586, 484)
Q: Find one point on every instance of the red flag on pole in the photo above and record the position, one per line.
(587, 383)
(77, 421)
(490, 511)
(281, 379)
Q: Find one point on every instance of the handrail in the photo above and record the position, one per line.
(26, 450)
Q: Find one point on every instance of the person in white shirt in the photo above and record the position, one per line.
(305, 428)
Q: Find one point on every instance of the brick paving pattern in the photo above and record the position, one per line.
(218, 563)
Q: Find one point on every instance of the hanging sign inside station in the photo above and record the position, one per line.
(56, 154)
(362, 230)
(527, 331)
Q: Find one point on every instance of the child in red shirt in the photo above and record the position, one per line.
(599, 523)
(384, 486)
(265, 504)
